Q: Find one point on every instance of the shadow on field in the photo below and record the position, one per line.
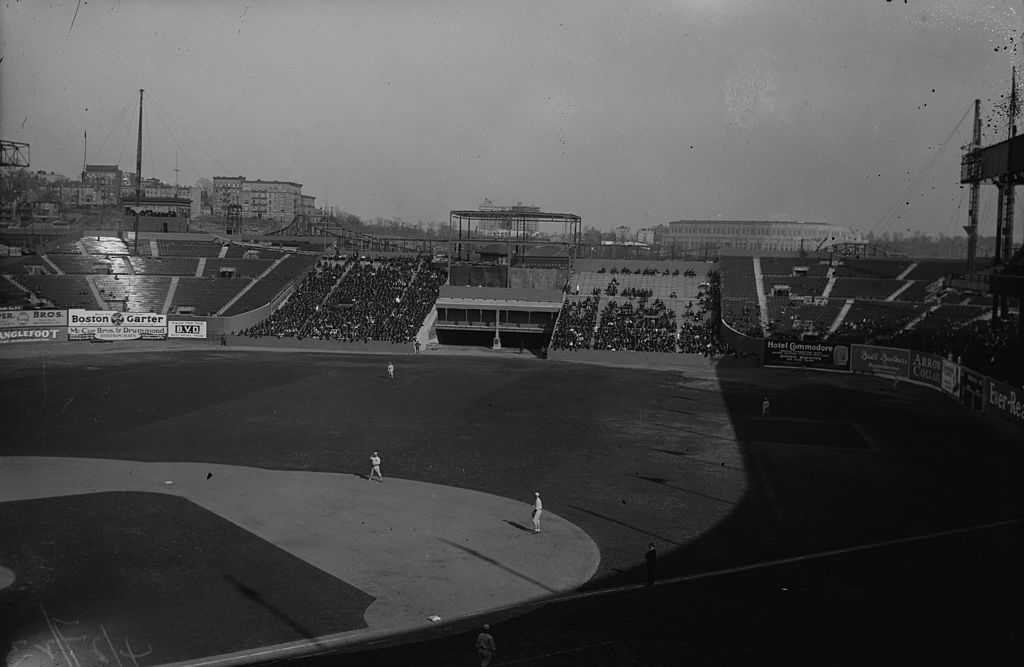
(519, 526)
(783, 577)
(255, 596)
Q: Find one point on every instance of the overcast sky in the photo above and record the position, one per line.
(634, 113)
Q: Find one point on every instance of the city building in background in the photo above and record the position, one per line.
(106, 180)
(756, 235)
(264, 200)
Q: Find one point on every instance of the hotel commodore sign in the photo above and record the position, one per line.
(115, 325)
(831, 356)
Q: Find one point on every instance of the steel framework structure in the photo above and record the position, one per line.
(14, 154)
(516, 221)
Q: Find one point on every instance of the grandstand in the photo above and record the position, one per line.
(169, 275)
(740, 295)
(507, 417)
(354, 299)
(890, 302)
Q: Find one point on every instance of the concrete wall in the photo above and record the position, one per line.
(378, 347)
(548, 279)
(666, 359)
(752, 347)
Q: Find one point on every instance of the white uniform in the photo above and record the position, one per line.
(538, 509)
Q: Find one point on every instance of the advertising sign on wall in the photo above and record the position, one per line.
(972, 388)
(186, 329)
(887, 361)
(115, 325)
(36, 335)
(19, 319)
(950, 377)
(830, 356)
(926, 368)
(1005, 400)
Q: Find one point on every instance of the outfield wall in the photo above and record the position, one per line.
(975, 390)
(666, 359)
(375, 346)
(745, 345)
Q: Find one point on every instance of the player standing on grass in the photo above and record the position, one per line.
(391, 370)
(375, 468)
(538, 509)
(765, 406)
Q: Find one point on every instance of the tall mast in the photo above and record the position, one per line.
(972, 211)
(138, 175)
(1008, 183)
(85, 150)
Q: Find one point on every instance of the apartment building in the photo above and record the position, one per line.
(105, 179)
(265, 200)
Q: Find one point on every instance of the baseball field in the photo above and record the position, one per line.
(212, 506)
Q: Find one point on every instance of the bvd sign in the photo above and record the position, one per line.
(186, 329)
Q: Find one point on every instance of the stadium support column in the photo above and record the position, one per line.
(497, 323)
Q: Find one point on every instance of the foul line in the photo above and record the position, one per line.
(789, 560)
(305, 649)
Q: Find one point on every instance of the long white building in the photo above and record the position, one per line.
(756, 234)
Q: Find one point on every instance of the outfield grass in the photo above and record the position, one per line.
(631, 455)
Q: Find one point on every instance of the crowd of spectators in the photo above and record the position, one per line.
(698, 327)
(689, 273)
(159, 214)
(358, 299)
(576, 323)
(641, 328)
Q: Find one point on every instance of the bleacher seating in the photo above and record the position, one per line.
(788, 316)
(384, 298)
(932, 270)
(872, 268)
(643, 327)
(238, 251)
(268, 287)
(661, 286)
(739, 295)
(798, 285)
(786, 266)
(70, 291)
(24, 264)
(917, 291)
(187, 248)
(872, 321)
(574, 329)
(81, 264)
(65, 246)
(165, 266)
(104, 245)
(948, 316)
(864, 288)
(205, 296)
(145, 294)
(11, 295)
(243, 268)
